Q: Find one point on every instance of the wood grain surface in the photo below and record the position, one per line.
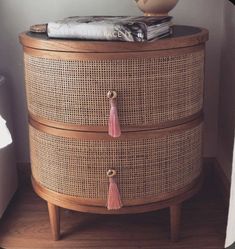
(104, 135)
(75, 127)
(116, 55)
(26, 225)
(131, 206)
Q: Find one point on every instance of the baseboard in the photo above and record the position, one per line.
(211, 166)
(208, 166)
(24, 172)
(222, 181)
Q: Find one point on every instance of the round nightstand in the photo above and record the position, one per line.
(158, 157)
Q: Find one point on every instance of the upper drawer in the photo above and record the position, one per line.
(155, 89)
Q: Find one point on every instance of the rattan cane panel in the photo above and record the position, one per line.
(146, 167)
(150, 90)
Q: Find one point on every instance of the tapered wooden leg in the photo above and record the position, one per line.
(175, 213)
(54, 215)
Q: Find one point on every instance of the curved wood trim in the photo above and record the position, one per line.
(107, 46)
(88, 135)
(55, 55)
(75, 127)
(76, 204)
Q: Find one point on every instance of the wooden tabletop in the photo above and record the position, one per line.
(182, 36)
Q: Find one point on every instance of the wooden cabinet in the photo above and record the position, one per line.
(159, 88)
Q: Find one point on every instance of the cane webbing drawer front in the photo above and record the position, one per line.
(147, 168)
(151, 90)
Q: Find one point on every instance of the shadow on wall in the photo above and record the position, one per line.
(227, 92)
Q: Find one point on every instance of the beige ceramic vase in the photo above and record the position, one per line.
(156, 7)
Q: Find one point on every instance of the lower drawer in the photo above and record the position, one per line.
(148, 168)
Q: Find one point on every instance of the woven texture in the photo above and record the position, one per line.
(151, 91)
(146, 167)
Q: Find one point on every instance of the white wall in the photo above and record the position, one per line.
(227, 92)
(207, 14)
(17, 16)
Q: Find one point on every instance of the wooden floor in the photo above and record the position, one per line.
(26, 225)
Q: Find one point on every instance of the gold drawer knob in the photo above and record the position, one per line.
(112, 94)
(111, 173)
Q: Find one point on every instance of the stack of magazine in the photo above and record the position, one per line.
(122, 28)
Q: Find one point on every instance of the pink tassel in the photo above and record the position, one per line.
(114, 125)
(114, 200)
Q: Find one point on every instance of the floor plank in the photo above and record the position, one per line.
(26, 225)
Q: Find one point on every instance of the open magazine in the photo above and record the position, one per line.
(122, 28)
